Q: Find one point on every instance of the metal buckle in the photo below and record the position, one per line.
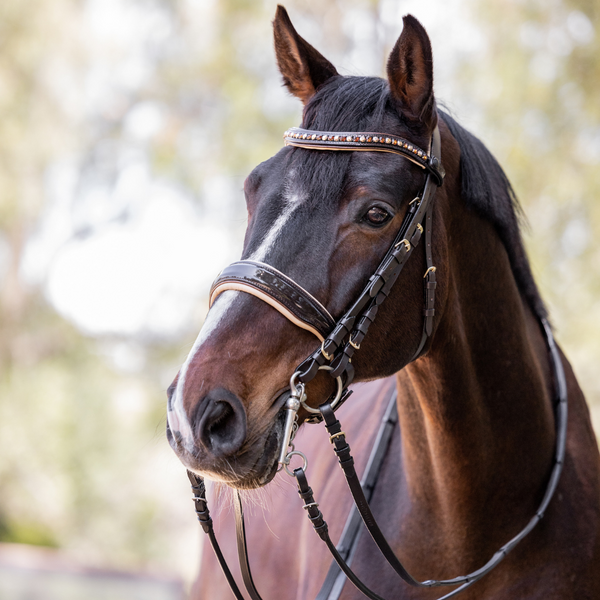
(405, 242)
(336, 435)
(355, 346)
(327, 356)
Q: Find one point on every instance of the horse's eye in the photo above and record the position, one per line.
(377, 216)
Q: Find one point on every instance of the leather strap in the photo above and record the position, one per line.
(334, 581)
(240, 529)
(203, 514)
(320, 526)
(342, 450)
(430, 281)
(367, 142)
(277, 290)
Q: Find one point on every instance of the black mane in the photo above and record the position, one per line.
(486, 189)
(355, 103)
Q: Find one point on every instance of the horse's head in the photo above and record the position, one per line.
(325, 219)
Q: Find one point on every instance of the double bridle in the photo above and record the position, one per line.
(339, 341)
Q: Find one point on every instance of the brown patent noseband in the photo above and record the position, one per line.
(339, 340)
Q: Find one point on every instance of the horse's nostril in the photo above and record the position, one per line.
(222, 423)
(170, 392)
(223, 414)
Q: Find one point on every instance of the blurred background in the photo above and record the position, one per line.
(124, 128)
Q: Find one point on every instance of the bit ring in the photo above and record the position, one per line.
(288, 456)
(334, 402)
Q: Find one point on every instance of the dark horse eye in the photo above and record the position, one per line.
(377, 216)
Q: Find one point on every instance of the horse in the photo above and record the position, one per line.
(471, 454)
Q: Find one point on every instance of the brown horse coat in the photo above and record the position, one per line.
(470, 462)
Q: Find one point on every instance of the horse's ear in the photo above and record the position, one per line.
(303, 68)
(410, 74)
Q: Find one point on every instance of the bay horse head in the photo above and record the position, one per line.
(335, 221)
(324, 219)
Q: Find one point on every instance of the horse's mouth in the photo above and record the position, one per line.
(258, 474)
(265, 468)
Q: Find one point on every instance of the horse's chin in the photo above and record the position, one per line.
(265, 468)
(262, 471)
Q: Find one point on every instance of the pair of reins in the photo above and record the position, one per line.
(339, 340)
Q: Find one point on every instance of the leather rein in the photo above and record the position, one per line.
(339, 340)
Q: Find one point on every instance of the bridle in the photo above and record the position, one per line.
(339, 341)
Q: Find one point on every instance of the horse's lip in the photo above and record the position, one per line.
(279, 398)
(266, 464)
(270, 452)
(263, 469)
(272, 458)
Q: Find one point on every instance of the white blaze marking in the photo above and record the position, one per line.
(291, 204)
(178, 420)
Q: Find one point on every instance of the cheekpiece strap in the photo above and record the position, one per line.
(366, 142)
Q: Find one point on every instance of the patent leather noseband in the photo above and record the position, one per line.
(279, 291)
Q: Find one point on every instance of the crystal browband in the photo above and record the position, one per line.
(365, 141)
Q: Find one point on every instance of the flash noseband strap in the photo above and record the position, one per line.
(366, 142)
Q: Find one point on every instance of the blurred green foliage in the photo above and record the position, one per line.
(84, 464)
(537, 88)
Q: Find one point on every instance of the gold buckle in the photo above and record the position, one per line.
(336, 435)
(327, 356)
(355, 346)
(431, 269)
(406, 244)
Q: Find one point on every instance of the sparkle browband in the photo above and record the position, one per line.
(367, 142)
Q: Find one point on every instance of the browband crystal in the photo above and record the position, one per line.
(365, 141)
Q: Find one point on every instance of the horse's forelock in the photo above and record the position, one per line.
(347, 104)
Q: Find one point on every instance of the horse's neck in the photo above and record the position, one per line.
(476, 419)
